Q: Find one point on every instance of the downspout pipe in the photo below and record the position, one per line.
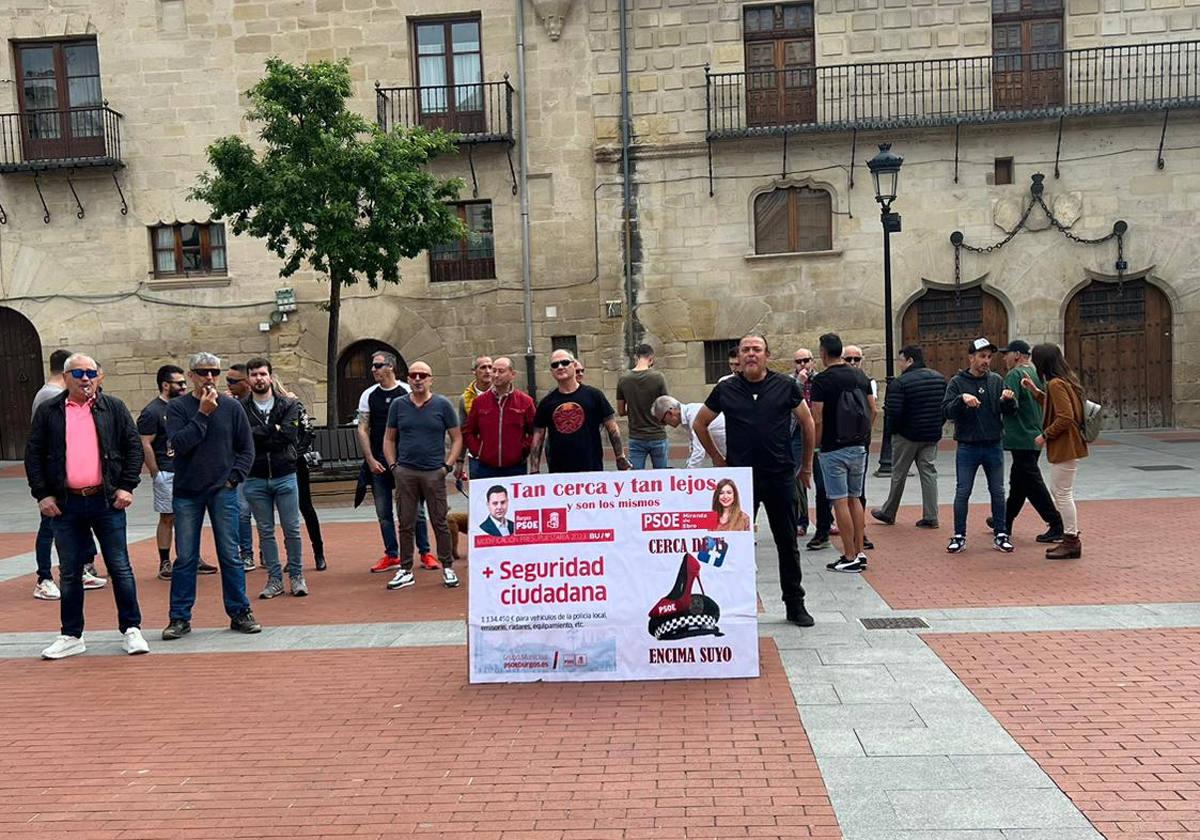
(626, 178)
(523, 188)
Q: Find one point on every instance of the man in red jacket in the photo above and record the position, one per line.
(499, 428)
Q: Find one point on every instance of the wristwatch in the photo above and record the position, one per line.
(449, 468)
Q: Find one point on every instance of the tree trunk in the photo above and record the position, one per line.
(331, 351)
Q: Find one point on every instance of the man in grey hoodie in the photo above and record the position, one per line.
(975, 400)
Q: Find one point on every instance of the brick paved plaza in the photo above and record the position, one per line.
(1042, 701)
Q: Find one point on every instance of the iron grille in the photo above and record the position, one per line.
(478, 113)
(716, 358)
(60, 139)
(941, 313)
(1113, 303)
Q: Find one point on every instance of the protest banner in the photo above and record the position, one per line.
(613, 576)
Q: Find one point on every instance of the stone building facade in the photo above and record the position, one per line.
(721, 152)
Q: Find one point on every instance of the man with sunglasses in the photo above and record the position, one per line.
(83, 462)
(214, 451)
(373, 407)
(570, 417)
(414, 447)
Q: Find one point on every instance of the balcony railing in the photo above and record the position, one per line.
(984, 89)
(70, 138)
(478, 113)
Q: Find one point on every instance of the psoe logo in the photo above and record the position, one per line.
(527, 521)
(554, 520)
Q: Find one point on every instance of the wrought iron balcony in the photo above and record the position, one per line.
(984, 89)
(477, 113)
(70, 138)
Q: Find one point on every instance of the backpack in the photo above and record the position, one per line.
(1093, 419)
(852, 418)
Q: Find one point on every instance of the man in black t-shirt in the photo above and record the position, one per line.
(160, 460)
(571, 417)
(843, 456)
(759, 406)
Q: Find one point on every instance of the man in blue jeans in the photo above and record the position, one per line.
(272, 485)
(637, 389)
(83, 461)
(213, 454)
(975, 400)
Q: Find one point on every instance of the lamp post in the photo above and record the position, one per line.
(885, 172)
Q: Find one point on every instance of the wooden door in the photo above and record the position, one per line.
(943, 327)
(20, 378)
(62, 114)
(781, 82)
(355, 376)
(1027, 50)
(1119, 341)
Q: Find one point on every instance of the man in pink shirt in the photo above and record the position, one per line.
(83, 461)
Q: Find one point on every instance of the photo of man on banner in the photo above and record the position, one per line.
(497, 523)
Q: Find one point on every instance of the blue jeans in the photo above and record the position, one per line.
(843, 471)
(967, 461)
(43, 545)
(81, 517)
(245, 526)
(482, 470)
(383, 487)
(265, 495)
(797, 448)
(222, 508)
(639, 449)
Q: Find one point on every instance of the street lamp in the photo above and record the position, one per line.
(885, 172)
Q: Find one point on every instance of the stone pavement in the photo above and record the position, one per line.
(1042, 702)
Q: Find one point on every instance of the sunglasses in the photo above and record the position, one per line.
(803, 361)
(80, 373)
(562, 363)
(213, 372)
(854, 358)
(378, 365)
(419, 376)
(177, 383)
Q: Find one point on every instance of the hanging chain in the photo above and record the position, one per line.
(987, 249)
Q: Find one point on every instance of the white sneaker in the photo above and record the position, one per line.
(91, 581)
(46, 590)
(449, 579)
(403, 578)
(134, 642)
(63, 647)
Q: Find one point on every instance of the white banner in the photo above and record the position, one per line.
(613, 576)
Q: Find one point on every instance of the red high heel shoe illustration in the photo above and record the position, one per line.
(681, 612)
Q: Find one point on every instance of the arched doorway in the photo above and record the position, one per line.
(354, 374)
(20, 378)
(1118, 337)
(942, 325)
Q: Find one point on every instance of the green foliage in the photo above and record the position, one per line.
(328, 187)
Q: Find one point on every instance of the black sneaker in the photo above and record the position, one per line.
(957, 543)
(164, 569)
(818, 542)
(927, 523)
(319, 559)
(1054, 535)
(867, 544)
(177, 629)
(991, 522)
(843, 564)
(878, 514)
(245, 623)
(1001, 542)
(203, 568)
(799, 616)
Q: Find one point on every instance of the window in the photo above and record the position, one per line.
(565, 342)
(188, 248)
(1003, 171)
(470, 258)
(716, 358)
(62, 109)
(780, 54)
(1027, 44)
(449, 72)
(793, 219)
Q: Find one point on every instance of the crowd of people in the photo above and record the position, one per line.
(243, 454)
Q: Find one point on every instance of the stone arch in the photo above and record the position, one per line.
(354, 373)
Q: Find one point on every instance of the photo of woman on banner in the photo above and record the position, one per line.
(497, 524)
(727, 505)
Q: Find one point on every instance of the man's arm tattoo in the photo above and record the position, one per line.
(614, 437)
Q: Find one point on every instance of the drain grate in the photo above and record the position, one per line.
(904, 623)
(1162, 467)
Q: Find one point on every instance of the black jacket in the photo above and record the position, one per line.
(977, 425)
(914, 404)
(120, 448)
(275, 451)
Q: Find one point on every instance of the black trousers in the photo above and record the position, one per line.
(777, 493)
(311, 522)
(824, 506)
(1025, 482)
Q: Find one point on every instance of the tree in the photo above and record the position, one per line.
(330, 189)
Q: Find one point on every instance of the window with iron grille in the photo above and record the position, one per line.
(1115, 303)
(472, 257)
(792, 220)
(187, 249)
(716, 358)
